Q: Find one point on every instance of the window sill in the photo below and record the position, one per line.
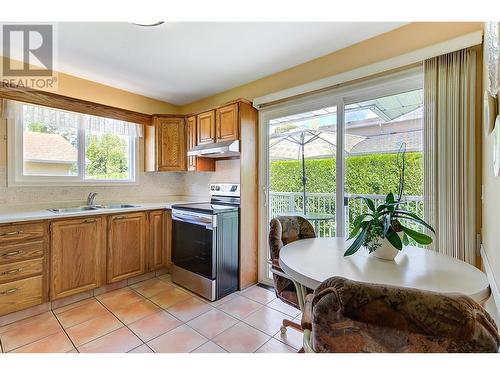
(70, 183)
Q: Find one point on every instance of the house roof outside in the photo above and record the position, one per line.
(48, 148)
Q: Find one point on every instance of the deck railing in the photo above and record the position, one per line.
(324, 203)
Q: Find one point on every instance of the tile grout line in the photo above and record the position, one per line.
(64, 330)
(255, 351)
(40, 338)
(124, 325)
(186, 323)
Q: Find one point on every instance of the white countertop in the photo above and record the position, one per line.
(19, 213)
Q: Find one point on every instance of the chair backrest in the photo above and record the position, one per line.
(283, 230)
(286, 229)
(349, 316)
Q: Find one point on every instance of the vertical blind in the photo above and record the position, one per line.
(449, 152)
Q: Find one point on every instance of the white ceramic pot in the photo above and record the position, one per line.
(385, 251)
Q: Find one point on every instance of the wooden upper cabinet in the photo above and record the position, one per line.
(171, 144)
(191, 142)
(126, 246)
(78, 256)
(205, 128)
(227, 123)
(158, 240)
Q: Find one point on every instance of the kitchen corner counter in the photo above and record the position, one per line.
(14, 214)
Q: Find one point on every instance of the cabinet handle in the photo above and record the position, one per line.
(11, 272)
(11, 233)
(119, 217)
(12, 253)
(9, 291)
(89, 221)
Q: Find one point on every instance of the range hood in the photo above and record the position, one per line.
(224, 149)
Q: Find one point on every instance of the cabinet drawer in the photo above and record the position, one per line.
(13, 271)
(21, 294)
(10, 234)
(22, 251)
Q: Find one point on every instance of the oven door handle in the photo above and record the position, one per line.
(193, 220)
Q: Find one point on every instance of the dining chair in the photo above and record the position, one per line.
(284, 230)
(352, 317)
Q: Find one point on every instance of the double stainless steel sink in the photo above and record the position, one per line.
(91, 208)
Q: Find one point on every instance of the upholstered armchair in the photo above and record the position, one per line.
(348, 316)
(283, 230)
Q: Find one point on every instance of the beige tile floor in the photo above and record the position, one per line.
(158, 316)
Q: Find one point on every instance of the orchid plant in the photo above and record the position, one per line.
(388, 220)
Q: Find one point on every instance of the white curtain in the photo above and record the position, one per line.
(65, 119)
(449, 152)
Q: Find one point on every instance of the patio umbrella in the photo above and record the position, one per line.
(307, 143)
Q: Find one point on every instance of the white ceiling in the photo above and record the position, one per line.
(182, 62)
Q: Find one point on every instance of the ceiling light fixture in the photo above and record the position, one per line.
(152, 24)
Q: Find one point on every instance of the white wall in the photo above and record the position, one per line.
(491, 211)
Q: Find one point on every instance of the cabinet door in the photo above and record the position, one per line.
(78, 256)
(168, 235)
(126, 246)
(171, 151)
(191, 131)
(157, 240)
(227, 123)
(205, 128)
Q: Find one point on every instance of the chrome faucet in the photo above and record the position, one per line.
(90, 199)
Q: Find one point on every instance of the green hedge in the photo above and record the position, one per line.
(365, 174)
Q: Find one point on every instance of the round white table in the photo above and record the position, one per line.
(311, 261)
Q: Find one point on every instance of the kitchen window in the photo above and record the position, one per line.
(49, 146)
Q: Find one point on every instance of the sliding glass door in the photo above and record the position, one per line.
(375, 131)
(319, 154)
(302, 172)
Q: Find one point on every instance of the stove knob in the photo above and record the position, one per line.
(217, 188)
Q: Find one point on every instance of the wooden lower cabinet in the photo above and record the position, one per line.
(85, 253)
(160, 239)
(21, 294)
(126, 255)
(169, 237)
(78, 256)
(157, 245)
(23, 265)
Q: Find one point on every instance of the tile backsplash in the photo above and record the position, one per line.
(227, 171)
(151, 187)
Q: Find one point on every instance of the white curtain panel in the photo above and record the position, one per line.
(61, 118)
(449, 152)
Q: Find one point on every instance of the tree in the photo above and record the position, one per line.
(106, 155)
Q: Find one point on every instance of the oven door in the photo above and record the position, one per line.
(194, 242)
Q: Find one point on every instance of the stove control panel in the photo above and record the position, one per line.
(228, 190)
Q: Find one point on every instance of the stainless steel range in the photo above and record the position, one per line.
(205, 243)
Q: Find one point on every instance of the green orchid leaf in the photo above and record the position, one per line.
(394, 239)
(389, 198)
(369, 203)
(357, 227)
(406, 240)
(386, 225)
(415, 219)
(388, 206)
(420, 238)
(357, 242)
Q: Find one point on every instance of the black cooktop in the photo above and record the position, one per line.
(206, 207)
